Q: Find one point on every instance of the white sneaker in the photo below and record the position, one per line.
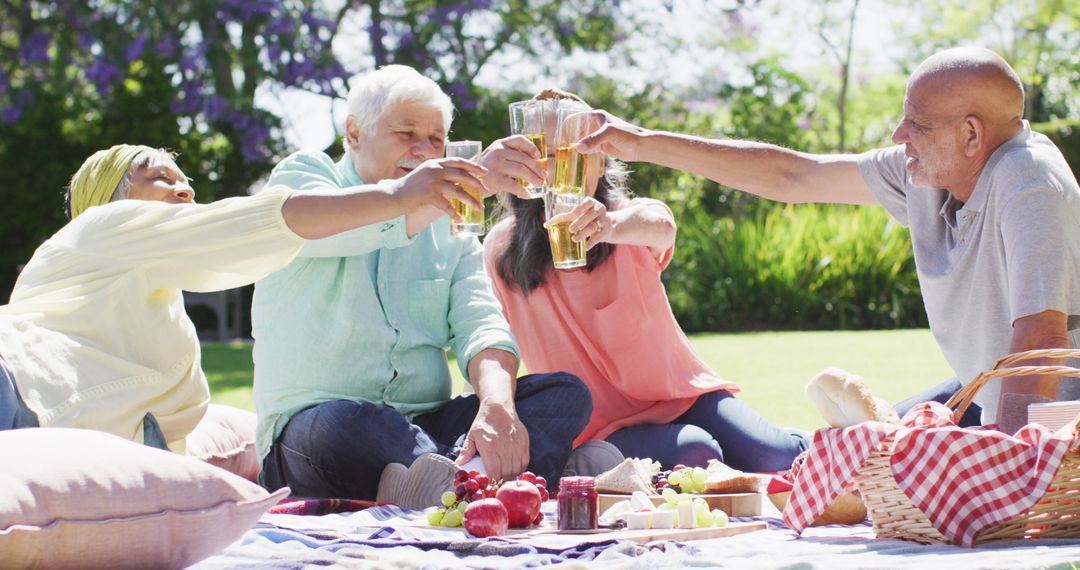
(419, 486)
(592, 458)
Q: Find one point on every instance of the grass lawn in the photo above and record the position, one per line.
(771, 367)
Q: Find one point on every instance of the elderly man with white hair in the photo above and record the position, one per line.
(993, 208)
(352, 384)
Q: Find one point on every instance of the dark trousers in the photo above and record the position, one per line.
(718, 426)
(941, 393)
(339, 449)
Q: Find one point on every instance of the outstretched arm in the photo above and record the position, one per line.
(319, 214)
(762, 169)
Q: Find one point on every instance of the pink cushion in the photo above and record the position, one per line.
(225, 438)
(82, 498)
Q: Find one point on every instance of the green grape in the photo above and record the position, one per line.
(700, 508)
(461, 506)
(668, 507)
(670, 495)
(684, 498)
(719, 518)
(453, 518)
(435, 517)
(702, 520)
(675, 478)
(699, 477)
(449, 498)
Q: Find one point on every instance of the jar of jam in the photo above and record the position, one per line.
(578, 503)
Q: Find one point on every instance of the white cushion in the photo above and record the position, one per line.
(82, 498)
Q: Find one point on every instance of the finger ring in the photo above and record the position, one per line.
(599, 226)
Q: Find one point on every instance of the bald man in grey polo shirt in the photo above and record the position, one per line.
(993, 208)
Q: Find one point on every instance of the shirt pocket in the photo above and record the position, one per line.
(620, 323)
(429, 308)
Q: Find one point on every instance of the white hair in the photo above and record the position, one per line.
(374, 93)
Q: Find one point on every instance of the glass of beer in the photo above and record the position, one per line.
(570, 165)
(565, 252)
(472, 219)
(530, 118)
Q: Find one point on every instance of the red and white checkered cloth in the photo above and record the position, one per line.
(963, 479)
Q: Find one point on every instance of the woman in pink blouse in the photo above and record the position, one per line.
(610, 324)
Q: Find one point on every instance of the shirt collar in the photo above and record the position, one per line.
(977, 201)
(346, 168)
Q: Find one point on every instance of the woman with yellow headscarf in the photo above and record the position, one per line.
(96, 336)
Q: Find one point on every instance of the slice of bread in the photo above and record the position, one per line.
(629, 476)
(721, 479)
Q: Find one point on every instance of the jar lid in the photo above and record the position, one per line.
(577, 483)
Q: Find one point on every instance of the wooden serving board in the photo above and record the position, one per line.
(734, 504)
(650, 535)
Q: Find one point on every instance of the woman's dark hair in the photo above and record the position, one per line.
(527, 260)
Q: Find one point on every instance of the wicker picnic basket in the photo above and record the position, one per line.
(1055, 515)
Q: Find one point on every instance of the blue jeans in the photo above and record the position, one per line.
(338, 449)
(941, 393)
(13, 411)
(718, 426)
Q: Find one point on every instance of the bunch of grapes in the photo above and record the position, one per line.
(703, 517)
(682, 479)
(540, 482)
(472, 486)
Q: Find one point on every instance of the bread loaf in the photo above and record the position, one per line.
(844, 400)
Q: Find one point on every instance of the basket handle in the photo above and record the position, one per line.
(961, 400)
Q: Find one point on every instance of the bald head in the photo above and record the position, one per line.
(971, 81)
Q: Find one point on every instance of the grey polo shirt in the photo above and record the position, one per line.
(1011, 251)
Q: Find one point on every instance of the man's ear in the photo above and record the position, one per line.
(353, 132)
(975, 135)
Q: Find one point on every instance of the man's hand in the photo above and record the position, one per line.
(589, 220)
(501, 440)
(613, 137)
(497, 433)
(436, 181)
(509, 160)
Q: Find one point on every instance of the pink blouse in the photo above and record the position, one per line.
(614, 329)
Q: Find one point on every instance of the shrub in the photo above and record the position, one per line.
(787, 267)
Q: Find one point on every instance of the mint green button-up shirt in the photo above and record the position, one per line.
(367, 315)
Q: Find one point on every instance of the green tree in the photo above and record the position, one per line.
(1039, 38)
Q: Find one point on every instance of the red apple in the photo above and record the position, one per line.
(486, 517)
(522, 500)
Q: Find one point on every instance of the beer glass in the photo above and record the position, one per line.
(565, 252)
(530, 118)
(472, 218)
(570, 165)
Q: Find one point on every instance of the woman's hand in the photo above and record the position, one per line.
(436, 181)
(589, 220)
(511, 159)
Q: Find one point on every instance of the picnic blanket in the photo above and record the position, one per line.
(389, 537)
(963, 480)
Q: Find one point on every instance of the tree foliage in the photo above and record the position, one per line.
(77, 77)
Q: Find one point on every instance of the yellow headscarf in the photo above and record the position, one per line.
(97, 178)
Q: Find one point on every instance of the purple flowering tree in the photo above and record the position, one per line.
(76, 77)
